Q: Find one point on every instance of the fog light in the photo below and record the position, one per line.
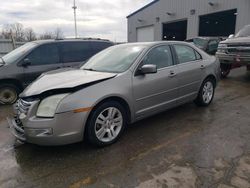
(39, 132)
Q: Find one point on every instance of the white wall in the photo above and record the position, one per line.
(182, 8)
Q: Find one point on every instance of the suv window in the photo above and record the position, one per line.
(160, 56)
(185, 53)
(45, 54)
(213, 45)
(99, 46)
(75, 51)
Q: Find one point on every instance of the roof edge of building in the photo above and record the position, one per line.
(146, 6)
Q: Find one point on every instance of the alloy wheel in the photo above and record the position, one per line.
(108, 124)
(208, 92)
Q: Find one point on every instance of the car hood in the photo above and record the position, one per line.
(64, 80)
(237, 40)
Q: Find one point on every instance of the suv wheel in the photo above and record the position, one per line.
(225, 70)
(106, 124)
(8, 93)
(206, 93)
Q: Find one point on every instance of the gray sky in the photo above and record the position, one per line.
(96, 18)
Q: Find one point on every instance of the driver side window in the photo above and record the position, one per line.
(160, 56)
(44, 55)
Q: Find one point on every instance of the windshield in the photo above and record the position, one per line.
(115, 59)
(17, 53)
(245, 32)
(200, 42)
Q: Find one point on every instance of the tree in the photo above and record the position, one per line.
(58, 33)
(46, 35)
(16, 30)
(30, 35)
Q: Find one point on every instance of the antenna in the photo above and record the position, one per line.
(74, 8)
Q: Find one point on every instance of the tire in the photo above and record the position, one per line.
(206, 93)
(225, 70)
(102, 129)
(8, 93)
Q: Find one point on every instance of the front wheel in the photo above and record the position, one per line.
(106, 124)
(8, 94)
(206, 93)
(225, 70)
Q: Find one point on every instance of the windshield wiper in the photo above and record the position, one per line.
(3, 62)
(89, 69)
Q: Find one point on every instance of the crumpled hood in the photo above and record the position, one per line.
(237, 40)
(64, 79)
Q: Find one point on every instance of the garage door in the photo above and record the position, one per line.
(218, 24)
(145, 34)
(175, 31)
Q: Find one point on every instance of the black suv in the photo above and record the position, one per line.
(23, 65)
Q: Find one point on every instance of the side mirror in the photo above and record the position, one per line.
(231, 36)
(148, 69)
(26, 62)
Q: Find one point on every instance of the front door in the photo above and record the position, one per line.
(42, 59)
(156, 92)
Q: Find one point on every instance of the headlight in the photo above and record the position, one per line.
(48, 106)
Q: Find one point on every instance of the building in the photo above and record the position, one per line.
(7, 46)
(184, 19)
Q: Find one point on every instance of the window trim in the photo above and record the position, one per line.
(148, 51)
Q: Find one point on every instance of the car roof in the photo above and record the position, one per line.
(149, 44)
(70, 40)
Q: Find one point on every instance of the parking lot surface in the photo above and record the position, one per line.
(185, 147)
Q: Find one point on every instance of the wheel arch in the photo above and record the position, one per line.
(118, 99)
(15, 82)
(212, 77)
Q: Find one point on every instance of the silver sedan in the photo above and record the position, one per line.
(116, 87)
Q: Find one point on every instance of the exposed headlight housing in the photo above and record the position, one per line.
(47, 107)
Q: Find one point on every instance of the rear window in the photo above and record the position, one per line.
(76, 51)
(185, 53)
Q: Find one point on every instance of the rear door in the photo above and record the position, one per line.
(42, 59)
(191, 70)
(156, 92)
(73, 54)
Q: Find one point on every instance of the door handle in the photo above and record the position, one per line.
(203, 67)
(172, 74)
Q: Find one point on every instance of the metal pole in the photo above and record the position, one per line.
(74, 8)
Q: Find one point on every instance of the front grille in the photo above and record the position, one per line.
(238, 45)
(23, 106)
(243, 49)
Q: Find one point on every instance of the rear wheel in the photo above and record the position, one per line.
(206, 93)
(106, 124)
(8, 93)
(225, 70)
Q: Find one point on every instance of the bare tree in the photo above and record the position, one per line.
(30, 35)
(58, 33)
(16, 30)
(46, 35)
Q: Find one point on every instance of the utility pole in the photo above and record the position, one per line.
(74, 8)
